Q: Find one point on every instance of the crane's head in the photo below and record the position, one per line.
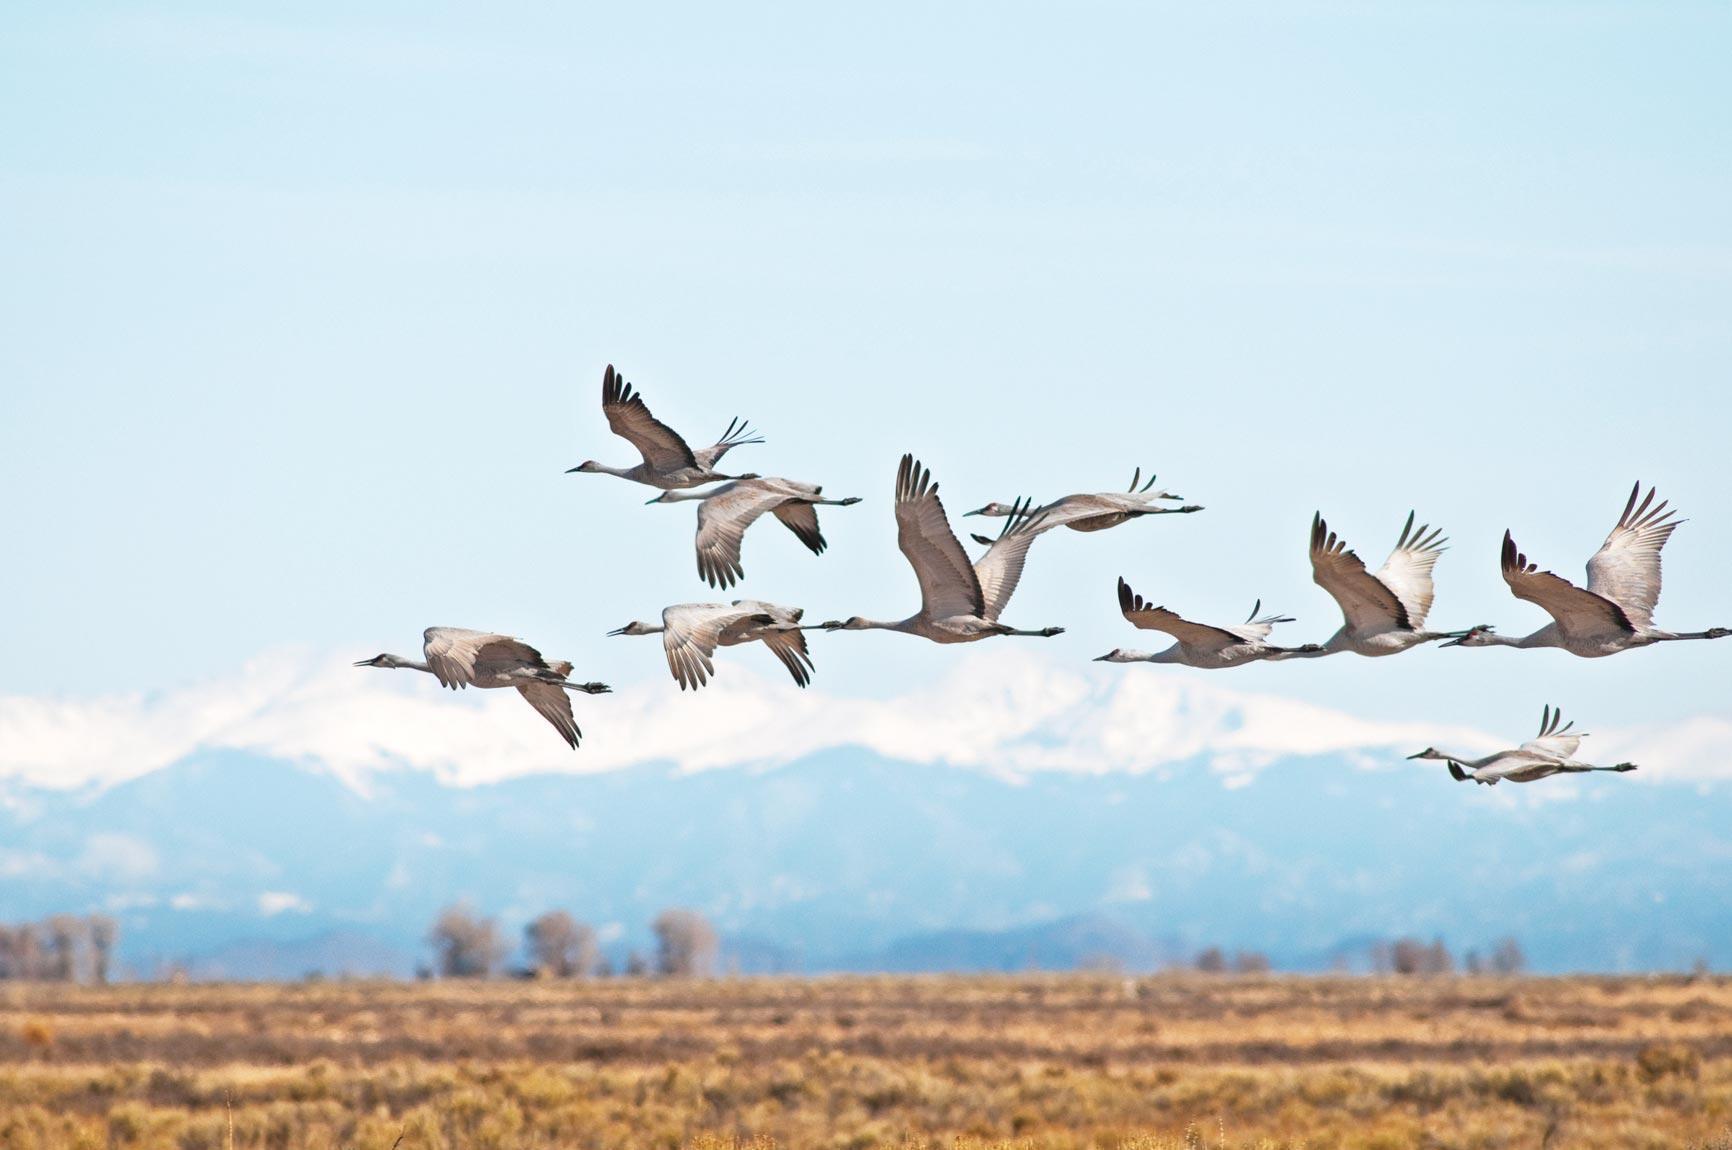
(1430, 753)
(634, 628)
(1120, 655)
(588, 466)
(995, 510)
(383, 661)
(1473, 637)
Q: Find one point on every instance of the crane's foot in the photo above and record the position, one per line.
(1718, 632)
(595, 688)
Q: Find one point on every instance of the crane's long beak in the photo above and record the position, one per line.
(1420, 755)
(617, 631)
(573, 470)
(364, 663)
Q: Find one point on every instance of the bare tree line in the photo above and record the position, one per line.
(1214, 960)
(1402, 956)
(60, 948)
(1412, 956)
(467, 944)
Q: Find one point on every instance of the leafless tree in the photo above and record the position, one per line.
(1411, 956)
(104, 933)
(636, 965)
(1250, 962)
(63, 960)
(686, 944)
(466, 945)
(25, 957)
(1507, 957)
(560, 947)
(1211, 961)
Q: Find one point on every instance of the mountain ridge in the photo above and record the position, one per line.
(847, 860)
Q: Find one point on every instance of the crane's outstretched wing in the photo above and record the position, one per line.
(790, 647)
(802, 519)
(722, 522)
(1626, 568)
(1077, 509)
(453, 653)
(1000, 569)
(1579, 613)
(949, 585)
(1554, 739)
(1407, 571)
(628, 415)
(1366, 601)
(690, 632)
(736, 435)
(555, 706)
(1148, 617)
(782, 636)
(1254, 629)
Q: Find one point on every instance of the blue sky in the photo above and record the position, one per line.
(303, 314)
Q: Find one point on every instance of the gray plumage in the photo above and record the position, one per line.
(1615, 611)
(1384, 613)
(460, 658)
(1200, 645)
(668, 462)
(725, 512)
(691, 632)
(960, 601)
(1551, 752)
(1099, 510)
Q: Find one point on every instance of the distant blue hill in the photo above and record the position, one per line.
(847, 861)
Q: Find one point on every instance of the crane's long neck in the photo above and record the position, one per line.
(399, 661)
(677, 496)
(1123, 656)
(1544, 637)
(906, 626)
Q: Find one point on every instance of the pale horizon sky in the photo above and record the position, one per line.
(303, 314)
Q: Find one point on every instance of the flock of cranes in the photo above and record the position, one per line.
(1384, 612)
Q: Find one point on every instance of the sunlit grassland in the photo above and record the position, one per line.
(1037, 1061)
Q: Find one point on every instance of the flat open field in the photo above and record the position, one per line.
(1039, 1061)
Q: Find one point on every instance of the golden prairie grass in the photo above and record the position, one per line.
(1042, 1062)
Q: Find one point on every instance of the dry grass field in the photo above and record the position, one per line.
(1039, 1062)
